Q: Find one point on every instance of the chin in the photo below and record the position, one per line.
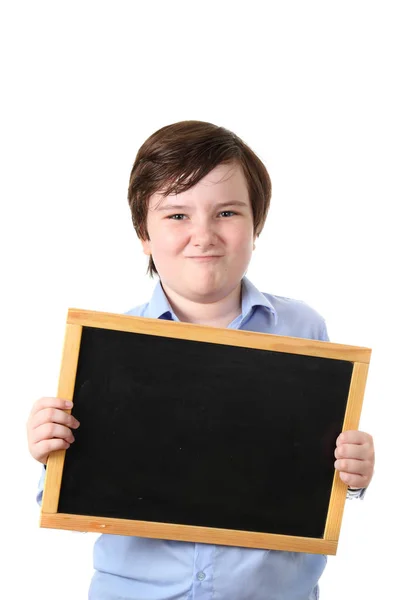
(208, 292)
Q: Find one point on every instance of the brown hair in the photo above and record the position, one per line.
(177, 156)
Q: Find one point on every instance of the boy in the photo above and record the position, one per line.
(199, 197)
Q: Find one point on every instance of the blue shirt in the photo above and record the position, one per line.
(149, 569)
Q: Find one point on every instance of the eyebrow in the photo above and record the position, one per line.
(168, 207)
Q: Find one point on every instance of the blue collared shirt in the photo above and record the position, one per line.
(149, 569)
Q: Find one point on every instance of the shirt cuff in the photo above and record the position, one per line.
(353, 493)
(39, 494)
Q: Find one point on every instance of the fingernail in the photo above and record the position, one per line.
(68, 404)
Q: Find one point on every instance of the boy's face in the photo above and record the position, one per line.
(202, 240)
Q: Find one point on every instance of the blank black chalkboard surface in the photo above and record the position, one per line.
(202, 434)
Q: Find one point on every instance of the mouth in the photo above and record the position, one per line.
(205, 258)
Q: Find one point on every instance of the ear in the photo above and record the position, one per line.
(146, 245)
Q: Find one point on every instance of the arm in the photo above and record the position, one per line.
(49, 429)
(355, 455)
(355, 460)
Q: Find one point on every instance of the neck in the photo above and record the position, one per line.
(219, 313)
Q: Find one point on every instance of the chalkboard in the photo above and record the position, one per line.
(206, 433)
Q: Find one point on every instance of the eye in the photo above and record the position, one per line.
(227, 213)
(177, 217)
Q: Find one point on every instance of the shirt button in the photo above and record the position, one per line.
(201, 575)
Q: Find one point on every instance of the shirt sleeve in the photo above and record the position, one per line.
(323, 332)
(352, 494)
(39, 495)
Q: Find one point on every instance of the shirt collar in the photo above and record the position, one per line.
(252, 297)
(160, 308)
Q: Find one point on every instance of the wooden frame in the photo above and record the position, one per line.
(77, 319)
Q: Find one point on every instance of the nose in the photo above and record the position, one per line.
(203, 236)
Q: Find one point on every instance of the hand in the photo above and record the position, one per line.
(355, 458)
(48, 427)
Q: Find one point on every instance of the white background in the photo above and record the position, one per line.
(312, 87)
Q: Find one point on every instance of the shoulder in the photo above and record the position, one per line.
(297, 318)
(285, 305)
(139, 311)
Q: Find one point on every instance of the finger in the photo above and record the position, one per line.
(42, 449)
(53, 415)
(354, 437)
(50, 431)
(355, 451)
(48, 402)
(354, 467)
(355, 481)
